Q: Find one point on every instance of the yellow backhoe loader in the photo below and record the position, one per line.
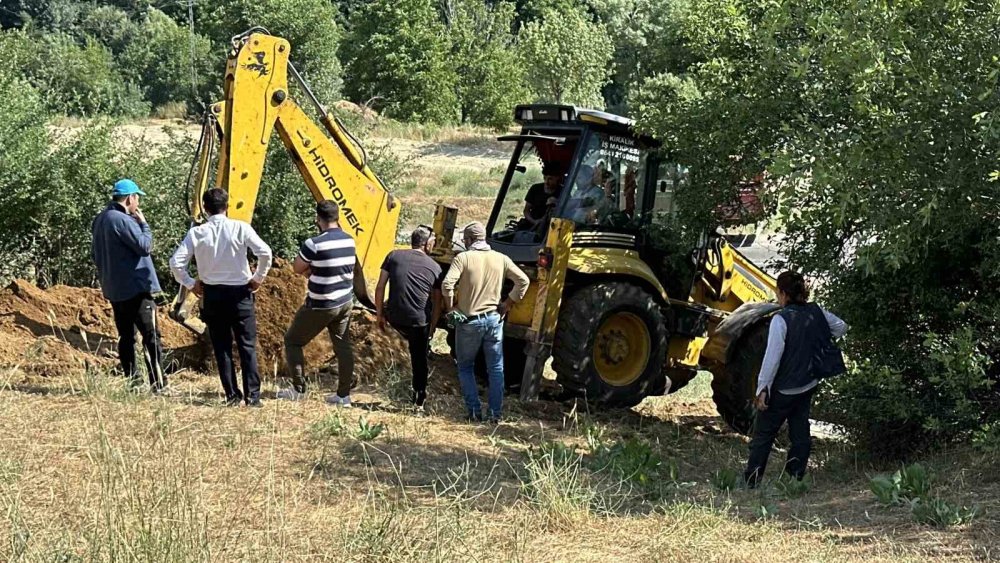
(619, 318)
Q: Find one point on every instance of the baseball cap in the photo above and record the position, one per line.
(126, 187)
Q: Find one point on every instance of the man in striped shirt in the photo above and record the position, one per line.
(328, 260)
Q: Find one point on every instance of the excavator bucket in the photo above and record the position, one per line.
(181, 310)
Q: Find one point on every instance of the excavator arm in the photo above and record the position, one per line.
(333, 165)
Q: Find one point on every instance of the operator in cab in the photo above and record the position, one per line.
(542, 197)
(589, 202)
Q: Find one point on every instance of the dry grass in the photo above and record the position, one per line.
(92, 472)
(89, 471)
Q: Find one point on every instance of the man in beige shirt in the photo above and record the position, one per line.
(478, 274)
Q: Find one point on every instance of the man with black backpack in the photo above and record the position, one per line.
(800, 352)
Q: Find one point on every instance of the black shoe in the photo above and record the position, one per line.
(255, 404)
(234, 401)
(474, 417)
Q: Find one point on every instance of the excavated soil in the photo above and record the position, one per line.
(62, 329)
(277, 301)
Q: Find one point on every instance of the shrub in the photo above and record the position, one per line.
(941, 513)
(790, 487)
(367, 431)
(634, 460)
(909, 483)
(326, 427)
(54, 185)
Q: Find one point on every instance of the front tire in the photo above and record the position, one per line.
(734, 386)
(610, 344)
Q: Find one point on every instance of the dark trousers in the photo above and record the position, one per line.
(228, 310)
(418, 340)
(306, 325)
(794, 409)
(139, 313)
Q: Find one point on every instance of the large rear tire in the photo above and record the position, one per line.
(610, 344)
(734, 386)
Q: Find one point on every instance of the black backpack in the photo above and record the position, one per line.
(829, 360)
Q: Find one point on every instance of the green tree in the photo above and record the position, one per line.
(645, 43)
(567, 58)
(491, 76)
(73, 79)
(533, 10)
(870, 121)
(397, 58)
(309, 25)
(159, 57)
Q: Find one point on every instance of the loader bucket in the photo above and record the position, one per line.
(181, 311)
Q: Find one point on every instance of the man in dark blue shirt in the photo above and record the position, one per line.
(121, 250)
(328, 261)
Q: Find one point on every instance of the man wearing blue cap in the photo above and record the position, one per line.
(121, 250)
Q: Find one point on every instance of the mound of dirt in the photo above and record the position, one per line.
(278, 300)
(52, 331)
(351, 107)
(59, 329)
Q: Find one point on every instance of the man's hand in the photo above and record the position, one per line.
(139, 216)
(254, 286)
(198, 289)
(505, 307)
(381, 322)
(760, 403)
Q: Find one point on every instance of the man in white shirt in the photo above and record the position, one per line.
(226, 286)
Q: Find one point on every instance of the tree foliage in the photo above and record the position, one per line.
(870, 123)
(567, 58)
(309, 25)
(490, 74)
(398, 58)
(159, 58)
(74, 79)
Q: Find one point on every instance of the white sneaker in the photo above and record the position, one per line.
(337, 400)
(290, 394)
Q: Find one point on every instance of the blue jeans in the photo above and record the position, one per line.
(486, 333)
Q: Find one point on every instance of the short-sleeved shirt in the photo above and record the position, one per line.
(413, 275)
(331, 256)
(538, 199)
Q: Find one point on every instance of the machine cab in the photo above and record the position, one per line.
(585, 165)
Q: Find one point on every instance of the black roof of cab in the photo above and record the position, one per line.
(536, 114)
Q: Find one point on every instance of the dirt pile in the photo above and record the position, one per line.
(278, 300)
(52, 331)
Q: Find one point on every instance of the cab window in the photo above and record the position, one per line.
(606, 188)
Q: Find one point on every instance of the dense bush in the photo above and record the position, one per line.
(74, 79)
(871, 122)
(52, 185)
